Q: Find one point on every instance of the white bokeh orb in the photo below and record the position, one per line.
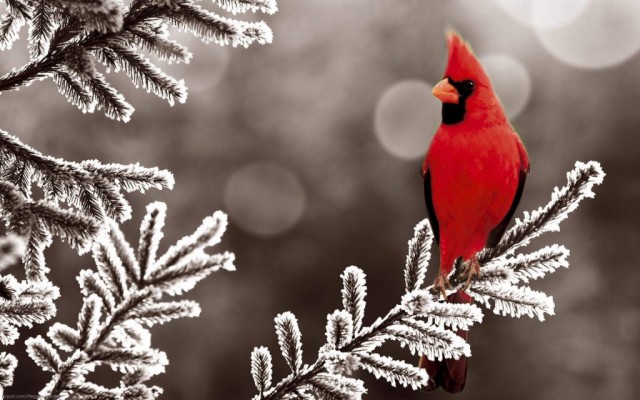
(544, 14)
(264, 198)
(406, 118)
(605, 34)
(511, 82)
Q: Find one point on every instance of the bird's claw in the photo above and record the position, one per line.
(469, 271)
(441, 284)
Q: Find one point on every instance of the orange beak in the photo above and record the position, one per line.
(446, 92)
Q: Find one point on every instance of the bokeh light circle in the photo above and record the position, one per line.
(511, 82)
(264, 198)
(544, 14)
(406, 117)
(607, 33)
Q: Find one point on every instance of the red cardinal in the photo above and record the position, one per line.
(474, 174)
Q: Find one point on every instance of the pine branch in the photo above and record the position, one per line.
(261, 368)
(242, 6)
(354, 291)
(71, 87)
(418, 256)
(93, 187)
(143, 73)
(580, 183)
(37, 221)
(65, 36)
(113, 323)
(40, 29)
(24, 304)
(289, 340)
(8, 364)
(9, 27)
(422, 322)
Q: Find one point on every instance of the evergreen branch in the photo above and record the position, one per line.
(91, 283)
(339, 329)
(44, 354)
(153, 40)
(97, 15)
(354, 291)
(9, 27)
(94, 187)
(131, 177)
(394, 371)
(40, 29)
(206, 25)
(527, 267)
(580, 183)
(77, 229)
(143, 73)
(74, 90)
(423, 323)
(69, 34)
(150, 236)
(124, 252)
(455, 316)
(418, 256)
(513, 301)
(19, 8)
(110, 330)
(29, 73)
(261, 368)
(26, 313)
(289, 340)
(337, 387)
(109, 99)
(242, 6)
(37, 221)
(8, 364)
(24, 304)
(183, 276)
(161, 312)
(207, 235)
(64, 337)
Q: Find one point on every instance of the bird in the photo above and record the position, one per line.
(474, 174)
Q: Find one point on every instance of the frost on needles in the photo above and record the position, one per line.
(67, 38)
(93, 190)
(421, 321)
(77, 43)
(123, 297)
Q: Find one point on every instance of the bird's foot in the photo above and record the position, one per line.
(440, 285)
(469, 271)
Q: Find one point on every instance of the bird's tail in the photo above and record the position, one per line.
(450, 374)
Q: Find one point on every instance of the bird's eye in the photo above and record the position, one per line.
(468, 86)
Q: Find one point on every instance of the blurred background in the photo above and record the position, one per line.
(313, 145)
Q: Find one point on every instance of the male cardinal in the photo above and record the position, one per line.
(474, 173)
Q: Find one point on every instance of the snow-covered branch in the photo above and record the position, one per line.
(421, 321)
(8, 364)
(120, 305)
(66, 38)
(93, 190)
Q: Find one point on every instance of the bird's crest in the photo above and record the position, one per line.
(462, 63)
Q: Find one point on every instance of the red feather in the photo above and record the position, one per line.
(474, 173)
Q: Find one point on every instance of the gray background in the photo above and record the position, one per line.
(307, 103)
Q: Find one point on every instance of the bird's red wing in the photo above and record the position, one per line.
(431, 211)
(496, 233)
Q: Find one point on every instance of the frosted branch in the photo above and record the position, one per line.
(421, 321)
(113, 323)
(67, 37)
